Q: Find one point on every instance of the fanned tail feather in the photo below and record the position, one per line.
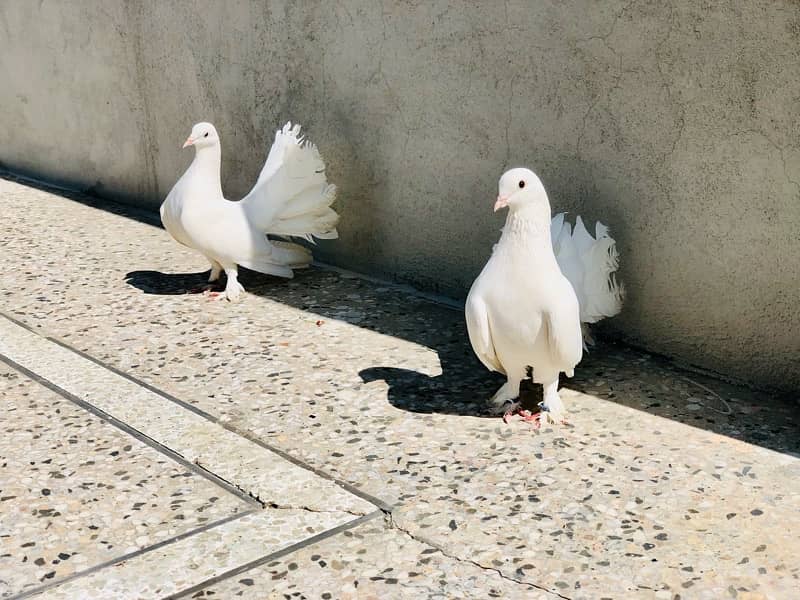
(590, 265)
(309, 214)
(292, 196)
(292, 255)
(603, 293)
(284, 257)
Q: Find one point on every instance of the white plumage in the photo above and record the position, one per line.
(292, 198)
(590, 264)
(521, 310)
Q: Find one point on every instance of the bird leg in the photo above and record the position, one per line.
(506, 400)
(552, 407)
(216, 270)
(233, 289)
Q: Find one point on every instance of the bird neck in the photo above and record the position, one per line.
(207, 163)
(529, 225)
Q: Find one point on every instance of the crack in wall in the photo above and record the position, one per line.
(605, 36)
(666, 83)
(778, 148)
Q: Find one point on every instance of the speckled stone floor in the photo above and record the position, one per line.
(77, 492)
(665, 484)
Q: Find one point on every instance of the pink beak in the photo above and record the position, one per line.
(189, 141)
(502, 202)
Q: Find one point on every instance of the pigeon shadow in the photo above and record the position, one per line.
(176, 284)
(463, 386)
(446, 394)
(167, 284)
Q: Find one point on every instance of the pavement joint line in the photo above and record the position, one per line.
(383, 506)
(276, 555)
(134, 554)
(135, 433)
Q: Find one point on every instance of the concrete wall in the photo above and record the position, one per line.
(676, 123)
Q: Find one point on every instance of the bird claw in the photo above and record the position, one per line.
(534, 419)
(545, 416)
(233, 291)
(504, 399)
(203, 289)
(513, 408)
(529, 416)
(550, 416)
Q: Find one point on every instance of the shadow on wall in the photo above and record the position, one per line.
(610, 371)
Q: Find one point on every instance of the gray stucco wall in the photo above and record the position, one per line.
(676, 123)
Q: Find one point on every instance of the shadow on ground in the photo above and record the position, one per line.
(168, 284)
(461, 389)
(176, 284)
(611, 371)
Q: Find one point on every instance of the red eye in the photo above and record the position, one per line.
(521, 184)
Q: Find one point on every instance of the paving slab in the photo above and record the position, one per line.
(197, 438)
(369, 562)
(76, 492)
(666, 483)
(167, 570)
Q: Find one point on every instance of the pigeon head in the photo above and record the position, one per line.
(203, 135)
(519, 188)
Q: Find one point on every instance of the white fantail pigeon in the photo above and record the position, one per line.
(521, 311)
(291, 198)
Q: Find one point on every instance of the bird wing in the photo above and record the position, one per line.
(564, 337)
(292, 195)
(480, 333)
(170, 211)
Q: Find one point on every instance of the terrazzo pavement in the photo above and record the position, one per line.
(665, 483)
(77, 492)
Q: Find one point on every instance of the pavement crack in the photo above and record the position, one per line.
(312, 509)
(393, 524)
(279, 506)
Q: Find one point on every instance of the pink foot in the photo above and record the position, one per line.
(202, 289)
(510, 413)
(534, 418)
